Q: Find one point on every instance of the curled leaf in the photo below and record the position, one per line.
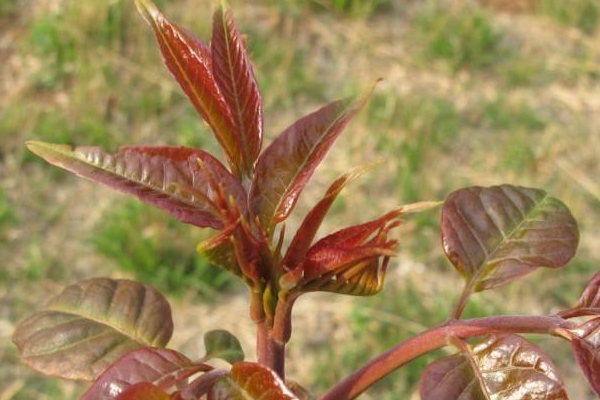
(311, 223)
(90, 325)
(589, 302)
(250, 381)
(222, 344)
(501, 367)
(235, 77)
(497, 234)
(585, 341)
(350, 261)
(166, 177)
(285, 167)
(161, 367)
(189, 60)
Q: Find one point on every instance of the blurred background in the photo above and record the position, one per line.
(474, 92)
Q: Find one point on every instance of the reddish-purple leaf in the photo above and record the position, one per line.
(189, 60)
(311, 223)
(586, 346)
(250, 381)
(161, 367)
(166, 177)
(495, 235)
(285, 167)
(589, 302)
(234, 75)
(143, 391)
(350, 261)
(501, 367)
(90, 325)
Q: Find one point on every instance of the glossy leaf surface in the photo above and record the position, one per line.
(586, 346)
(310, 225)
(189, 60)
(250, 381)
(501, 367)
(497, 234)
(163, 176)
(235, 77)
(589, 302)
(200, 386)
(143, 391)
(161, 367)
(90, 325)
(222, 344)
(285, 167)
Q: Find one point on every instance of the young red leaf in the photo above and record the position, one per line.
(495, 235)
(589, 302)
(189, 60)
(351, 261)
(161, 367)
(234, 75)
(501, 367)
(311, 223)
(90, 325)
(166, 177)
(586, 346)
(250, 381)
(200, 386)
(285, 167)
(143, 391)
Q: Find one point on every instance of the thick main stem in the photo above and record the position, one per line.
(434, 338)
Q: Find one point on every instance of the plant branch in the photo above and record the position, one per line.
(463, 300)
(434, 338)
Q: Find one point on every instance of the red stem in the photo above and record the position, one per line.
(434, 338)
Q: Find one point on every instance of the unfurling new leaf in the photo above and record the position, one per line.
(501, 367)
(90, 325)
(497, 234)
(586, 346)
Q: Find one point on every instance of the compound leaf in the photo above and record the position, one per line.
(189, 60)
(235, 77)
(497, 234)
(161, 367)
(90, 325)
(585, 341)
(222, 344)
(285, 167)
(501, 367)
(166, 177)
(143, 391)
(250, 381)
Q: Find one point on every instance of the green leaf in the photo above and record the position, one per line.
(250, 381)
(90, 325)
(222, 344)
(501, 367)
(497, 234)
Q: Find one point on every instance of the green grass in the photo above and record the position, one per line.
(158, 250)
(463, 37)
(582, 14)
(500, 115)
